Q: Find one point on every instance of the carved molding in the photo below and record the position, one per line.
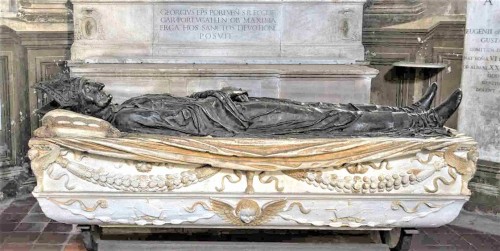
(379, 13)
(98, 204)
(45, 12)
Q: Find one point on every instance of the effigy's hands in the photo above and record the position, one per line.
(236, 94)
(203, 94)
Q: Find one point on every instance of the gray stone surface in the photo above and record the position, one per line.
(479, 115)
(172, 245)
(484, 223)
(311, 83)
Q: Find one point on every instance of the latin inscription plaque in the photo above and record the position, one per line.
(217, 23)
(480, 111)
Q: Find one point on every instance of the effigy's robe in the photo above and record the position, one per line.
(218, 115)
(232, 153)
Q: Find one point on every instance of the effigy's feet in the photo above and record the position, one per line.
(448, 107)
(426, 101)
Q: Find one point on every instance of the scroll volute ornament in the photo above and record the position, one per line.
(42, 154)
(464, 166)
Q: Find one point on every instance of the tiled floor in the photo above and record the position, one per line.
(23, 226)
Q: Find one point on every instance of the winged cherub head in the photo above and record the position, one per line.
(247, 210)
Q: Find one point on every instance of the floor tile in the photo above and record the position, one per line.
(74, 247)
(18, 209)
(481, 241)
(448, 239)
(16, 247)
(11, 218)
(25, 201)
(21, 237)
(461, 230)
(36, 209)
(444, 248)
(47, 247)
(441, 230)
(35, 218)
(422, 239)
(496, 237)
(52, 238)
(75, 242)
(3, 236)
(7, 227)
(75, 238)
(30, 227)
(58, 227)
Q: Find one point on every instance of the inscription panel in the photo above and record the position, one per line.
(217, 23)
(479, 115)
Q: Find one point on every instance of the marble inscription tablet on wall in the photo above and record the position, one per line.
(262, 31)
(479, 116)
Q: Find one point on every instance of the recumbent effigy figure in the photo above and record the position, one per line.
(231, 112)
(223, 158)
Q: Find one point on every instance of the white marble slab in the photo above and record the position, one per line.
(220, 31)
(479, 114)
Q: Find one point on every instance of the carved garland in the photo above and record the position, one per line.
(138, 183)
(361, 184)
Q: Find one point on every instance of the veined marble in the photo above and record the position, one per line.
(90, 173)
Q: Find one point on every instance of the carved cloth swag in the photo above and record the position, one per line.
(251, 154)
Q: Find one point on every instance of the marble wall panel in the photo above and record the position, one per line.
(219, 31)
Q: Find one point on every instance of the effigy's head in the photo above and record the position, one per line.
(76, 94)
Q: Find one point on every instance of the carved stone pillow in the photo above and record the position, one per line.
(63, 123)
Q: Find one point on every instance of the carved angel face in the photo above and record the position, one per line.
(247, 210)
(247, 215)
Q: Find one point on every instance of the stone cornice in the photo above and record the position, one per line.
(417, 32)
(19, 25)
(36, 35)
(55, 11)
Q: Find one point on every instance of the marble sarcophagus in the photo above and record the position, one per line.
(88, 172)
